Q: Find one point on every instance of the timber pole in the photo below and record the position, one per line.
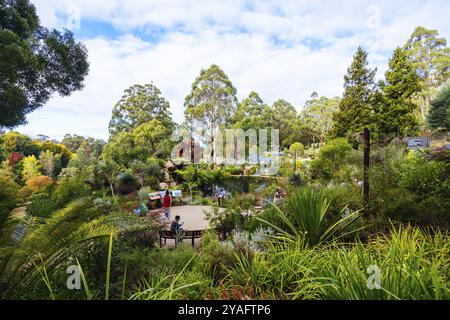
(366, 187)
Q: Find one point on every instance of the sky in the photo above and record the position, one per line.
(280, 49)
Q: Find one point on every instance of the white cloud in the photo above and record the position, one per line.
(263, 46)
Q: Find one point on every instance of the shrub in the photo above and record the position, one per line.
(283, 272)
(25, 193)
(140, 262)
(297, 149)
(214, 256)
(41, 205)
(410, 188)
(8, 194)
(203, 177)
(196, 286)
(39, 183)
(269, 214)
(143, 193)
(412, 264)
(296, 179)
(68, 189)
(331, 158)
(128, 182)
(422, 176)
(14, 158)
(250, 272)
(233, 170)
(236, 214)
(31, 167)
(305, 218)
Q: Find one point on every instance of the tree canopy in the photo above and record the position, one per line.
(34, 62)
(396, 114)
(250, 113)
(211, 102)
(93, 147)
(147, 140)
(317, 115)
(439, 116)
(430, 57)
(139, 105)
(360, 100)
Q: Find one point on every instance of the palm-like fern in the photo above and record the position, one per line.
(305, 218)
(30, 245)
(48, 242)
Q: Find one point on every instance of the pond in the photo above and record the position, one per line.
(245, 184)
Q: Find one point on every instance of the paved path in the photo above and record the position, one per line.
(192, 216)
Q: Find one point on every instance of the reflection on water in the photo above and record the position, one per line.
(245, 184)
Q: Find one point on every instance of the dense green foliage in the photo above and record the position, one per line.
(147, 140)
(439, 116)
(297, 234)
(396, 114)
(430, 57)
(139, 105)
(333, 156)
(360, 100)
(317, 116)
(211, 103)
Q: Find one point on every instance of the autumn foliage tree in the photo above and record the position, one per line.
(39, 183)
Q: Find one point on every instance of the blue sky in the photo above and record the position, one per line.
(280, 49)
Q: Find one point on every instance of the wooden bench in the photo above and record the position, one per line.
(170, 234)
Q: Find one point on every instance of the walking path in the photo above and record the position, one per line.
(192, 216)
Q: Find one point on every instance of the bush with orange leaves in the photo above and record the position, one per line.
(39, 183)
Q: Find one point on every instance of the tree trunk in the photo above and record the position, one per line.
(314, 147)
(295, 162)
(112, 189)
(427, 104)
(422, 108)
(366, 189)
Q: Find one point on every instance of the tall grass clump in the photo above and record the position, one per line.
(164, 287)
(412, 264)
(306, 218)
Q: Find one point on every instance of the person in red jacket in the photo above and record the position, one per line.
(167, 203)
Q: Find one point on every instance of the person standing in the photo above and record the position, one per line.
(220, 196)
(167, 203)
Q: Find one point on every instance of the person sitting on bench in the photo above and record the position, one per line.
(175, 227)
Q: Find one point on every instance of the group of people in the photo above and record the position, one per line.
(141, 209)
(167, 204)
